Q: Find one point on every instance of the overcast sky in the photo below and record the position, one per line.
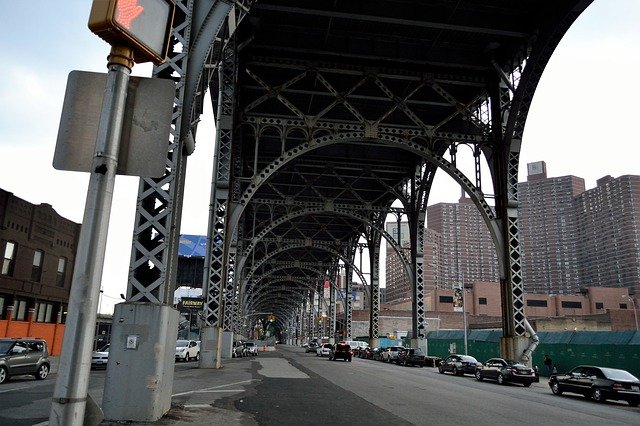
(581, 122)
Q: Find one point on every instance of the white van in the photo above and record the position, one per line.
(355, 344)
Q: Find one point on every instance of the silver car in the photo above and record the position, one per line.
(390, 353)
(24, 357)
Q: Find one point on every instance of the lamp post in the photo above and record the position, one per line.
(464, 319)
(633, 303)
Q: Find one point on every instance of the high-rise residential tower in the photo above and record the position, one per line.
(548, 231)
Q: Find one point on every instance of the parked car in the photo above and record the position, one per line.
(313, 347)
(250, 349)
(598, 383)
(323, 350)
(411, 356)
(100, 357)
(22, 357)
(390, 354)
(458, 365)
(376, 353)
(237, 350)
(366, 353)
(187, 350)
(340, 351)
(505, 371)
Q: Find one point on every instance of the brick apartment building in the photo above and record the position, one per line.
(39, 248)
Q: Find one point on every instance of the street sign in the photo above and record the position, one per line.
(146, 128)
(142, 25)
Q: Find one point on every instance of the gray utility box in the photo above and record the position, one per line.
(139, 378)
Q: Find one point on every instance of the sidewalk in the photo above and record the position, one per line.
(195, 391)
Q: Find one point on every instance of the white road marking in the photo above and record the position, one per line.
(210, 389)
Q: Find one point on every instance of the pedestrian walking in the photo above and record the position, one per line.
(548, 364)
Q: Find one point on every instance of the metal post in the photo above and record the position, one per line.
(635, 313)
(70, 394)
(464, 318)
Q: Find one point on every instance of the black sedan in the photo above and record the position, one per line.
(598, 383)
(411, 356)
(458, 365)
(505, 371)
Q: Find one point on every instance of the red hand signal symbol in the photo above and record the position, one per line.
(127, 11)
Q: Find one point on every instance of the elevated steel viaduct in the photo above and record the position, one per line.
(326, 113)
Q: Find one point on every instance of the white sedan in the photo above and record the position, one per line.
(323, 350)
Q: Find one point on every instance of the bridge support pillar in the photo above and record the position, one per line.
(208, 347)
(513, 347)
(139, 376)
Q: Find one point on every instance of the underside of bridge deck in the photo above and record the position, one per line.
(328, 113)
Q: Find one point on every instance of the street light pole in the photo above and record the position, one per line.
(635, 313)
(464, 319)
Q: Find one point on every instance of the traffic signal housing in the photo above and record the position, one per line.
(143, 25)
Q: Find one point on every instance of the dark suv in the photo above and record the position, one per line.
(24, 356)
(340, 351)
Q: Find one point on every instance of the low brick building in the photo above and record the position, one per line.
(39, 249)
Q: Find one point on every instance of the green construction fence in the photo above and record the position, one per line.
(567, 349)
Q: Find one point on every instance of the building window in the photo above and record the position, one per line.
(44, 311)
(446, 299)
(9, 260)
(62, 271)
(537, 303)
(571, 305)
(482, 300)
(2, 305)
(623, 306)
(599, 305)
(20, 310)
(36, 268)
(63, 315)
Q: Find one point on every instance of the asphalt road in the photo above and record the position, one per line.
(291, 387)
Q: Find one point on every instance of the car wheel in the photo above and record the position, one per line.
(526, 384)
(42, 373)
(500, 379)
(555, 388)
(633, 403)
(596, 395)
(455, 371)
(478, 376)
(440, 370)
(197, 358)
(3, 375)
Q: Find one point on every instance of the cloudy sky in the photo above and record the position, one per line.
(581, 121)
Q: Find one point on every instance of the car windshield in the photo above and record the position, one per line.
(468, 358)
(5, 346)
(418, 352)
(182, 343)
(327, 346)
(104, 349)
(250, 344)
(615, 374)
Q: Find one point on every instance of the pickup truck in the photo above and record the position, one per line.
(187, 350)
